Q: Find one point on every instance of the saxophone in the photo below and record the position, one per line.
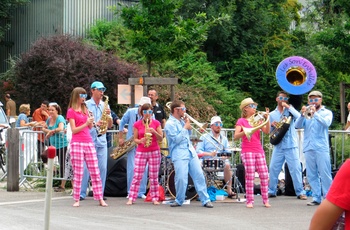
(120, 151)
(102, 129)
(148, 136)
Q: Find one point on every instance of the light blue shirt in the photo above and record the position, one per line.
(290, 139)
(96, 111)
(207, 144)
(21, 117)
(180, 145)
(129, 118)
(316, 130)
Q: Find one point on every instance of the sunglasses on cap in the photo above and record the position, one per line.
(83, 95)
(314, 100)
(283, 98)
(253, 106)
(147, 111)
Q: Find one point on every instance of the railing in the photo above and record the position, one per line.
(32, 167)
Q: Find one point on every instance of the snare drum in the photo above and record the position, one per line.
(213, 164)
(224, 154)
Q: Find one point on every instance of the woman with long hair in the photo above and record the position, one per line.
(252, 154)
(82, 146)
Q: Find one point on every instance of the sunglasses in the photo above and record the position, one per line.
(283, 98)
(253, 106)
(147, 111)
(53, 103)
(314, 100)
(218, 124)
(83, 95)
(182, 108)
(101, 89)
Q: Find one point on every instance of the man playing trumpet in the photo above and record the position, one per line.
(184, 156)
(316, 146)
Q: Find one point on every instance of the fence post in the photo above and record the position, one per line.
(13, 160)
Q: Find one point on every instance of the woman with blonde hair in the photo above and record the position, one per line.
(82, 146)
(252, 154)
(22, 120)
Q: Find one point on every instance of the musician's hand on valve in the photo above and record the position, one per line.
(273, 124)
(187, 124)
(302, 111)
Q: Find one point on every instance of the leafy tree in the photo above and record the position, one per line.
(6, 9)
(158, 33)
(55, 65)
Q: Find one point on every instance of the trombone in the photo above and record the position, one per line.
(202, 130)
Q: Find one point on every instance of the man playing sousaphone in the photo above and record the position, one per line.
(287, 148)
(212, 144)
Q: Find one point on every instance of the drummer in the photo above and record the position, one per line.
(212, 145)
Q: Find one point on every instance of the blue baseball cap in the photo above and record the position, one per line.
(97, 85)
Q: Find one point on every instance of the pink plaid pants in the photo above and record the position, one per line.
(255, 162)
(81, 151)
(141, 159)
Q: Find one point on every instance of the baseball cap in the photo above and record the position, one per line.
(215, 119)
(97, 85)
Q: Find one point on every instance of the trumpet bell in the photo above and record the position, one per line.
(296, 75)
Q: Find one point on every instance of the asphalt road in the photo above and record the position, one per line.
(25, 210)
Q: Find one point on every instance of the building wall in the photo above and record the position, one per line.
(48, 17)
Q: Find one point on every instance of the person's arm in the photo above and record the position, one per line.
(325, 216)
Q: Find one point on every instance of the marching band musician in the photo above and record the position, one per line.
(287, 148)
(96, 106)
(147, 151)
(252, 154)
(130, 117)
(207, 150)
(316, 146)
(184, 156)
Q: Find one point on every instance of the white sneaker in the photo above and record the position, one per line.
(127, 197)
(143, 196)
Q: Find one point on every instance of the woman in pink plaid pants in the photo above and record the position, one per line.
(82, 146)
(146, 152)
(252, 154)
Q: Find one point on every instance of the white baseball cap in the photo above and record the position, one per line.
(215, 119)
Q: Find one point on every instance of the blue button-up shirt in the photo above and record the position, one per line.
(316, 130)
(129, 118)
(180, 145)
(209, 145)
(96, 111)
(290, 139)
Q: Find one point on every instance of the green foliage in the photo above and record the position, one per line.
(6, 9)
(158, 33)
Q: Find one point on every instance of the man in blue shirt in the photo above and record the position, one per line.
(287, 148)
(130, 117)
(96, 107)
(213, 144)
(184, 156)
(316, 146)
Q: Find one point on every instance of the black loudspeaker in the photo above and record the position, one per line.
(240, 173)
(289, 187)
(116, 183)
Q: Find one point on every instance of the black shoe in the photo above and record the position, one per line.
(81, 198)
(313, 203)
(104, 198)
(272, 195)
(209, 205)
(175, 204)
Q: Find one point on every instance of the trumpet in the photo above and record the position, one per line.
(309, 112)
(201, 130)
